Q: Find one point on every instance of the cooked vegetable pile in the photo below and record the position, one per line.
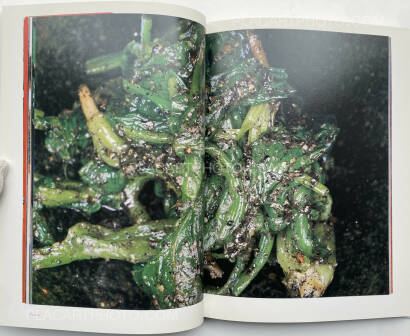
(145, 127)
(239, 182)
(266, 180)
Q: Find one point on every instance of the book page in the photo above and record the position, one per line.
(105, 145)
(306, 179)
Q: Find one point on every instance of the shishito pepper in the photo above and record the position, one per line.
(172, 277)
(87, 241)
(107, 143)
(147, 148)
(280, 181)
(305, 276)
(266, 186)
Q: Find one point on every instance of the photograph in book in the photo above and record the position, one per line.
(166, 163)
(297, 164)
(117, 118)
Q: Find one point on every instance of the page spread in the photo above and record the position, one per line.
(248, 163)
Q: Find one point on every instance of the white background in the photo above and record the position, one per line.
(378, 12)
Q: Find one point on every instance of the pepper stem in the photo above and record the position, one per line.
(104, 63)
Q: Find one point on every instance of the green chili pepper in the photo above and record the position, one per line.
(166, 276)
(86, 200)
(235, 211)
(87, 241)
(192, 179)
(313, 184)
(305, 277)
(265, 248)
(302, 234)
(234, 276)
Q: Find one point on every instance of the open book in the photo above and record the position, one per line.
(248, 170)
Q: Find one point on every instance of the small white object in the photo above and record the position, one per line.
(3, 173)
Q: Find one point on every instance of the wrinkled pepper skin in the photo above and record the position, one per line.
(88, 241)
(228, 178)
(142, 137)
(266, 176)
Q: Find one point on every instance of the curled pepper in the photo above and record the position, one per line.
(107, 143)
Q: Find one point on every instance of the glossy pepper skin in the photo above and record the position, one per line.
(269, 180)
(258, 182)
(144, 128)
